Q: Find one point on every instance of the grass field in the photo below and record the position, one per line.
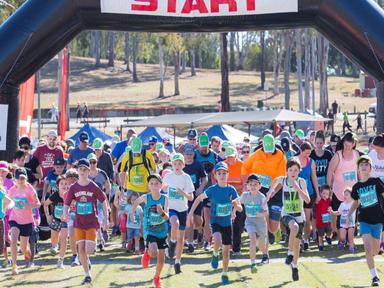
(116, 268)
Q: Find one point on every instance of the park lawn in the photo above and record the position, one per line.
(118, 269)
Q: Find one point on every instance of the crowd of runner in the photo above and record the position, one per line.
(164, 201)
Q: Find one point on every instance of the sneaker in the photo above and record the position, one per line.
(329, 240)
(129, 246)
(145, 259)
(75, 261)
(200, 238)
(352, 250)
(87, 280)
(224, 279)
(177, 268)
(207, 246)
(264, 260)
(191, 248)
(27, 255)
(15, 270)
(60, 263)
(271, 238)
(53, 251)
(295, 274)
(29, 264)
(105, 235)
(5, 263)
(321, 248)
(215, 261)
(340, 246)
(289, 259)
(101, 247)
(236, 254)
(156, 282)
(375, 281)
(305, 245)
(171, 249)
(253, 268)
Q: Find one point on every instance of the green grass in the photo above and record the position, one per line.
(115, 268)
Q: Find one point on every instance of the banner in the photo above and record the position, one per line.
(198, 8)
(63, 110)
(27, 101)
(3, 126)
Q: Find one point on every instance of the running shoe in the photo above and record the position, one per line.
(295, 274)
(224, 279)
(87, 280)
(271, 238)
(329, 240)
(375, 281)
(215, 261)
(27, 255)
(105, 235)
(253, 268)
(171, 249)
(236, 254)
(101, 247)
(29, 264)
(207, 246)
(340, 245)
(15, 270)
(352, 250)
(145, 259)
(264, 260)
(305, 245)
(53, 251)
(177, 268)
(289, 259)
(191, 248)
(156, 282)
(321, 248)
(75, 261)
(60, 263)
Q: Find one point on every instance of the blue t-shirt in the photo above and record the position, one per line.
(51, 180)
(78, 154)
(196, 172)
(221, 204)
(119, 149)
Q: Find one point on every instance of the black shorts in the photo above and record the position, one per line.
(311, 203)
(111, 199)
(226, 233)
(335, 204)
(324, 230)
(161, 242)
(25, 229)
(182, 216)
(199, 208)
(207, 203)
(287, 219)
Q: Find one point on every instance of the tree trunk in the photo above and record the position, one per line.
(134, 56)
(313, 71)
(197, 58)
(299, 68)
(262, 59)
(193, 62)
(232, 62)
(277, 55)
(323, 54)
(176, 57)
(162, 67)
(287, 68)
(343, 65)
(224, 73)
(111, 49)
(127, 51)
(307, 71)
(97, 47)
(183, 62)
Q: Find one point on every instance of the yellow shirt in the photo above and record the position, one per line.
(137, 176)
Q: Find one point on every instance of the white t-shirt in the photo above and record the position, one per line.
(344, 210)
(137, 223)
(175, 201)
(377, 165)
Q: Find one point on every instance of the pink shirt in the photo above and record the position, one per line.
(345, 174)
(26, 195)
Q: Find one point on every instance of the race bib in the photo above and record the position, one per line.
(155, 219)
(72, 215)
(173, 195)
(326, 218)
(251, 210)
(321, 181)
(19, 202)
(368, 197)
(58, 211)
(122, 206)
(194, 178)
(224, 210)
(84, 208)
(136, 221)
(349, 176)
(265, 181)
(138, 180)
(343, 220)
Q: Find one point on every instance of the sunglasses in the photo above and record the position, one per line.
(92, 162)
(245, 151)
(26, 147)
(192, 139)
(151, 144)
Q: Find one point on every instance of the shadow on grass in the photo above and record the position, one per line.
(218, 271)
(280, 285)
(232, 282)
(41, 282)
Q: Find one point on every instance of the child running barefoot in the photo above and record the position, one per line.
(368, 196)
(133, 227)
(294, 194)
(324, 217)
(346, 227)
(222, 197)
(155, 226)
(256, 210)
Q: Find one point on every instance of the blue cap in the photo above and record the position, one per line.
(59, 161)
(21, 173)
(83, 163)
(192, 133)
(153, 139)
(221, 166)
(189, 149)
(84, 137)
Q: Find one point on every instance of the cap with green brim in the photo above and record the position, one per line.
(364, 158)
(92, 156)
(159, 146)
(230, 152)
(300, 134)
(204, 140)
(178, 156)
(97, 144)
(136, 145)
(269, 144)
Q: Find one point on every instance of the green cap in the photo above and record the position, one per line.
(299, 134)
(178, 156)
(226, 144)
(136, 145)
(203, 140)
(97, 143)
(159, 146)
(230, 151)
(364, 158)
(92, 156)
(269, 143)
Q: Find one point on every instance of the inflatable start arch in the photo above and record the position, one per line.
(41, 28)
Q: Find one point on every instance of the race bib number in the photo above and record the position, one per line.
(251, 210)
(136, 221)
(173, 195)
(155, 219)
(20, 202)
(349, 176)
(194, 178)
(265, 181)
(321, 181)
(84, 208)
(368, 197)
(343, 220)
(138, 180)
(326, 218)
(224, 210)
(122, 206)
(72, 215)
(58, 211)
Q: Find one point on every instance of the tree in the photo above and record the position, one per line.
(277, 56)
(225, 104)
(111, 49)
(262, 59)
(307, 70)
(288, 39)
(127, 50)
(299, 68)
(232, 61)
(96, 39)
(323, 59)
(134, 56)
(162, 66)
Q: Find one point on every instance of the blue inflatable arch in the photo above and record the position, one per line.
(41, 28)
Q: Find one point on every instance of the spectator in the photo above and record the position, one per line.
(79, 113)
(346, 123)
(335, 106)
(359, 121)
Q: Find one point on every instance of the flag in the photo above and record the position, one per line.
(63, 114)
(27, 95)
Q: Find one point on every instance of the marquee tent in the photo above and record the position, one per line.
(226, 132)
(160, 133)
(92, 132)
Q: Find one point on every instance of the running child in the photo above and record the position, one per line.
(133, 227)
(256, 210)
(222, 197)
(294, 194)
(180, 190)
(6, 203)
(120, 201)
(324, 217)
(155, 226)
(368, 194)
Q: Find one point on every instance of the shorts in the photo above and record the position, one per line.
(111, 199)
(2, 238)
(324, 230)
(123, 222)
(132, 233)
(206, 203)
(161, 242)
(335, 204)
(199, 208)
(25, 229)
(85, 234)
(274, 212)
(226, 233)
(287, 219)
(57, 225)
(373, 229)
(259, 227)
(182, 216)
(311, 203)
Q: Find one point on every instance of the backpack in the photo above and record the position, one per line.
(144, 162)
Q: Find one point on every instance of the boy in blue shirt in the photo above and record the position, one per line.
(222, 197)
